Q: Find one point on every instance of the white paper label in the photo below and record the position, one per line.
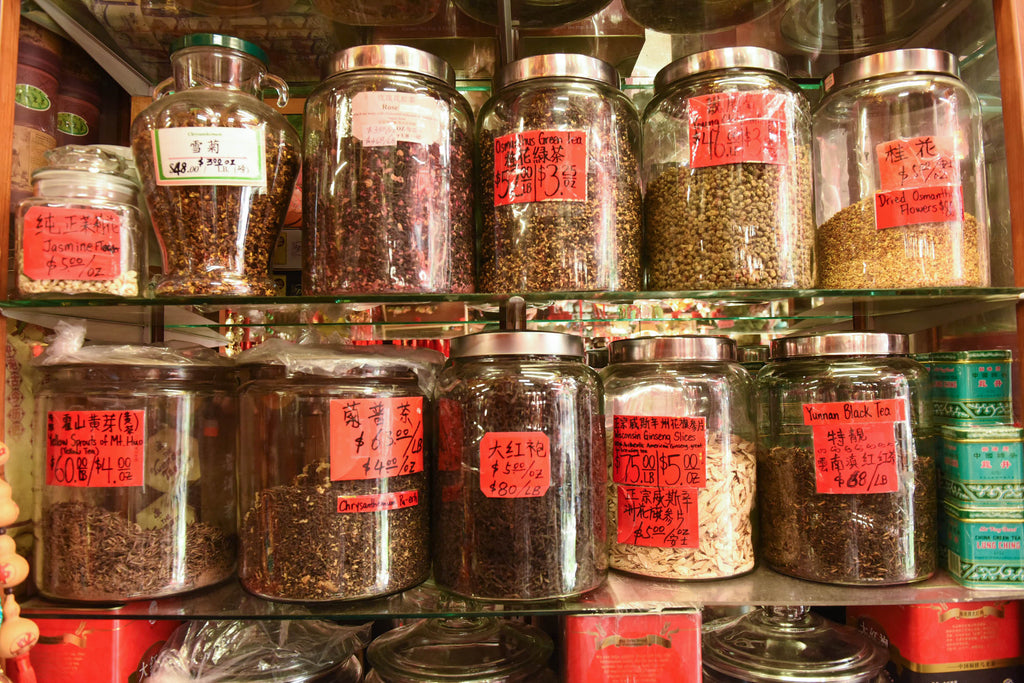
(382, 119)
(210, 156)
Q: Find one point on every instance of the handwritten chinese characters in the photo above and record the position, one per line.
(515, 464)
(95, 448)
(71, 244)
(657, 517)
(737, 128)
(540, 165)
(919, 179)
(210, 156)
(376, 438)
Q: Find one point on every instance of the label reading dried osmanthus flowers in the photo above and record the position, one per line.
(919, 179)
(95, 448)
(210, 156)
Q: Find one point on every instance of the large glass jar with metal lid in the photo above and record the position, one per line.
(790, 644)
(682, 457)
(559, 179)
(218, 167)
(82, 232)
(519, 494)
(388, 176)
(846, 469)
(727, 174)
(481, 650)
(532, 13)
(335, 507)
(900, 175)
(137, 452)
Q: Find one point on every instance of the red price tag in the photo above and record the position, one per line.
(95, 448)
(376, 438)
(938, 204)
(659, 451)
(738, 128)
(657, 517)
(540, 165)
(515, 464)
(378, 502)
(854, 412)
(917, 162)
(71, 244)
(856, 458)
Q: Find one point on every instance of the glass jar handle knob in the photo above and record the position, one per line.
(164, 87)
(278, 84)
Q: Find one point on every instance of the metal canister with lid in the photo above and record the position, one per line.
(846, 469)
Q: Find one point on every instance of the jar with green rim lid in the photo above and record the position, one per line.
(559, 179)
(388, 176)
(846, 465)
(680, 411)
(519, 490)
(727, 174)
(218, 167)
(899, 171)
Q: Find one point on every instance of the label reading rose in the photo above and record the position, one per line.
(515, 464)
(376, 438)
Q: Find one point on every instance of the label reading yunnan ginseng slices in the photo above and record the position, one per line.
(376, 438)
(210, 156)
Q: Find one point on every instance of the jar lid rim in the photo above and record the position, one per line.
(399, 57)
(680, 347)
(517, 343)
(748, 57)
(918, 59)
(841, 344)
(220, 40)
(562, 64)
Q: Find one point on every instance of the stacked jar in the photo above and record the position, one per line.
(727, 172)
(559, 177)
(900, 175)
(387, 181)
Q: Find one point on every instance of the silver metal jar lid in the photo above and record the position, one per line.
(682, 347)
(842, 344)
(722, 58)
(752, 354)
(397, 57)
(517, 343)
(219, 40)
(557, 65)
(894, 62)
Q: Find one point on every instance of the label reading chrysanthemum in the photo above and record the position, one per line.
(540, 165)
(376, 438)
(738, 128)
(515, 464)
(919, 179)
(855, 445)
(95, 448)
(210, 156)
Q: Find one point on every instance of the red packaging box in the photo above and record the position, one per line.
(644, 648)
(96, 650)
(949, 642)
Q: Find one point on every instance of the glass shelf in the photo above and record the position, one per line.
(620, 594)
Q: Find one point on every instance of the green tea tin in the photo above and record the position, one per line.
(971, 387)
(984, 548)
(982, 466)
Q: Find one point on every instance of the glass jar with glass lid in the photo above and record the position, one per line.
(846, 468)
(218, 167)
(727, 174)
(900, 175)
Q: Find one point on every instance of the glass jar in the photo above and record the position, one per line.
(900, 175)
(846, 468)
(388, 176)
(82, 232)
(519, 508)
(559, 190)
(728, 209)
(533, 13)
(218, 167)
(137, 448)
(684, 16)
(682, 457)
(335, 507)
(791, 644)
(481, 650)
(373, 13)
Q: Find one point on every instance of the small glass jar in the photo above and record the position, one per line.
(82, 232)
(753, 357)
(388, 176)
(335, 507)
(727, 172)
(559, 189)
(519, 506)
(791, 644)
(533, 13)
(900, 174)
(218, 167)
(846, 468)
(682, 457)
(481, 650)
(137, 447)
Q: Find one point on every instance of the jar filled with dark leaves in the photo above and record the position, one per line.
(559, 177)
(137, 447)
(846, 470)
(218, 167)
(727, 171)
(335, 505)
(519, 507)
(899, 169)
(387, 181)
